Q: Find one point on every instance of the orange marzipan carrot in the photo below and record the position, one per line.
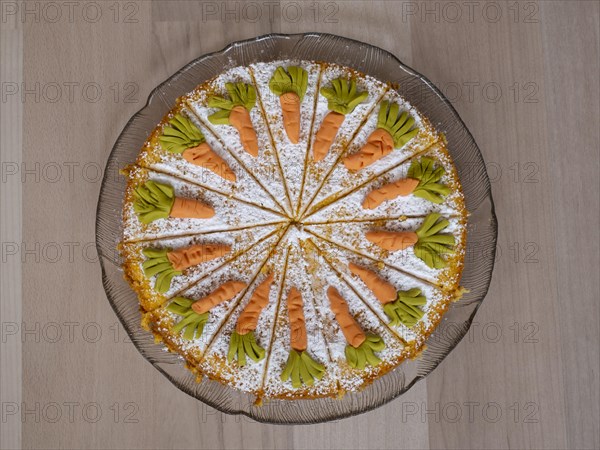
(191, 209)
(224, 292)
(205, 157)
(297, 323)
(240, 119)
(352, 331)
(393, 240)
(381, 289)
(290, 108)
(326, 134)
(379, 144)
(400, 188)
(190, 256)
(260, 298)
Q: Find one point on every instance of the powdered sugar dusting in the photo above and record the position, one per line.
(258, 215)
(349, 207)
(239, 241)
(351, 379)
(292, 155)
(316, 171)
(229, 213)
(343, 180)
(264, 167)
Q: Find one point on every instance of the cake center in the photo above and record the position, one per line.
(297, 224)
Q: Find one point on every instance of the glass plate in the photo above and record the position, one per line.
(481, 238)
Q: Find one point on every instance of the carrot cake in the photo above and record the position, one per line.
(293, 229)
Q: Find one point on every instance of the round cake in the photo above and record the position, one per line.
(293, 229)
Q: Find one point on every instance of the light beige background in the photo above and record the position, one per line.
(523, 76)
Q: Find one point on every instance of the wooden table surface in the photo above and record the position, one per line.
(523, 76)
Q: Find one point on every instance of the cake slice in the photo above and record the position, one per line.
(371, 239)
(228, 104)
(163, 217)
(387, 196)
(320, 161)
(393, 133)
(287, 349)
(211, 251)
(277, 90)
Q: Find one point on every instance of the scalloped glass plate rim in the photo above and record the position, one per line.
(482, 228)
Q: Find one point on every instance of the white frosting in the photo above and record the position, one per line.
(353, 236)
(258, 216)
(340, 177)
(292, 156)
(316, 172)
(230, 214)
(349, 207)
(264, 168)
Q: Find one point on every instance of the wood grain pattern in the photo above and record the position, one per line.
(522, 75)
(11, 143)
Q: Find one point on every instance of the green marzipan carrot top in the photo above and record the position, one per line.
(432, 244)
(180, 135)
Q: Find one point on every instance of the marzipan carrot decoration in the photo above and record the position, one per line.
(390, 191)
(393, 240)
(195, 312)
(242, 345)
(406, 309)
(393, 131)
(383, 290)
(248, 319)
(300, 367)
(352, 331)
(158, 264)
(196, 254)
(429, 244)
(361, 347)
(399, 306)
(204, 156)
(183, 137)
(342, 99)
(422, 181)
(291, 87)
(223, 293)
(191, 322)
(236, 112)
(297, 323)
(158, 201)
(166, 263)
(243, 342)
